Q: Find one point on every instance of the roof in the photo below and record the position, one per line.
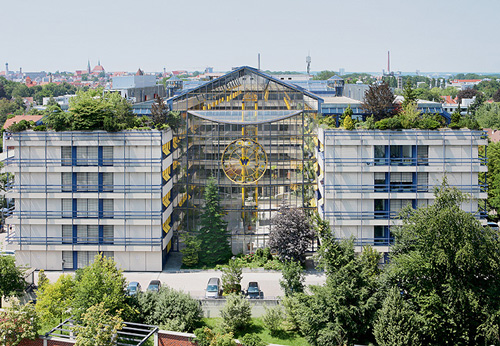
(98, 68)
(18, 118)
(335, 77)
(236, 73)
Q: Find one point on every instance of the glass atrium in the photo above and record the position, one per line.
(254, 134)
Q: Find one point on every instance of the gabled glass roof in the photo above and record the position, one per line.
(245, 88)
(244, 117)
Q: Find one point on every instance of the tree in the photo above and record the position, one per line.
(161, 115)
(18, 323)
(54, 301)
(466, 94)
(293, 278)
(12, 281)
(408, 94)
(87, 111)
(100, 282)
(43, 281)
(348, 123)
(98, 327)
(236, 313)
(445, 264)
(206, 337)
(493, 176)
(213, 232)
(291, 234)
(397, 324)
(170, 309)
(379, 101)
(488, 115)
(496, 96)
(409, 115)
(324, 75)
(191, 250)
(231, 277)
(56, 119)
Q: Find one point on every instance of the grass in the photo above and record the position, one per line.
(257, 327)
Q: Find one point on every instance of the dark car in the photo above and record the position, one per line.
(133, 288)
(253, 291)
(154, 286)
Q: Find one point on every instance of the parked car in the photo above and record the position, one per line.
(154, 286)
(253, 291)
(133, 288)
(214, 288)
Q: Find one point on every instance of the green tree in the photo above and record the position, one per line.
(231, 277)
(100, 282)
(496, 96)
(379, 101)
(488, 115)
(213, 234)
(87, 111)
(408, 94)
(291, 234)
(170, 309)
(445, 263)
(98, 327)
(206, 337)
(43, 281)
(12, 281)
(161, 115)
(55, 300)
(18, 323)
(273, 318)
(409, 115)
(397, 324)
(236, 313)
(324, 75)
(493, 176)
(191, 250)
(293, 278)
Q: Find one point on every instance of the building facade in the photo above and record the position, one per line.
(80, 193)
(366, 177)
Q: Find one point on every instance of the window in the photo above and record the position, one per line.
(67, 207)
(66, 156)
(67, 259)
(401, 181)
(108, 234)
(107, 156)
(379, 181)
(87, 181)
(401, 154)
(67, 181)
(379, 154)
(382, 235)
(422, 181)
(398, 204)
(86, 156)
(107, 182)
(85, 258)
(422, 155)
(87, 234)
(67, 234)
(87, 207)
(108, 208)
(379, 207)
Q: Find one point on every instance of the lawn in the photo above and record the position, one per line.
(257, 327)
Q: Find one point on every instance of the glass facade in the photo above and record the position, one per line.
(256, 136)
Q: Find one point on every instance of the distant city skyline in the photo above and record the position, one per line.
(425, 35)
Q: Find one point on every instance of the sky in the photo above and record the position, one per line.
(425, 35)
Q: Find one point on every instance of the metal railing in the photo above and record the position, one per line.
(400, 187)
(127, 241)
(398, 161)
(58, 214)
(83, 188)
(117, 162)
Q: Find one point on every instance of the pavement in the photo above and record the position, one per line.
(195, 281)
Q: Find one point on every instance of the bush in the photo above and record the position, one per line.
(273, 318)
(292, 311)
(236, 313)
(206, 337)
(175, 310)
(389, 124)
(40, 128)
(252, 340)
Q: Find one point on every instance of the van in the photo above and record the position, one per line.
(213, 289)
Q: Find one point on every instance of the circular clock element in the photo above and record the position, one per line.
(244, 161)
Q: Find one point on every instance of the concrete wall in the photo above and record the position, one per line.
(212, 307)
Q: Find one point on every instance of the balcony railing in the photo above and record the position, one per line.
(58, 214)
(406, 161)
(117, 162)
(378, 215)
(128, 241)
(400, 187)
(24, 188)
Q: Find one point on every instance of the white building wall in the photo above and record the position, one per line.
(349, 169)
(138, 160)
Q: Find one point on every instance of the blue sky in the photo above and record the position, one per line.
(428, 35)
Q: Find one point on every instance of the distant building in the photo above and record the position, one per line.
(462, 84)
(138, 88)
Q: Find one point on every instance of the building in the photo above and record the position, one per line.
(253, 133)
(138, 88)
(80, 193)
(367, 177)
